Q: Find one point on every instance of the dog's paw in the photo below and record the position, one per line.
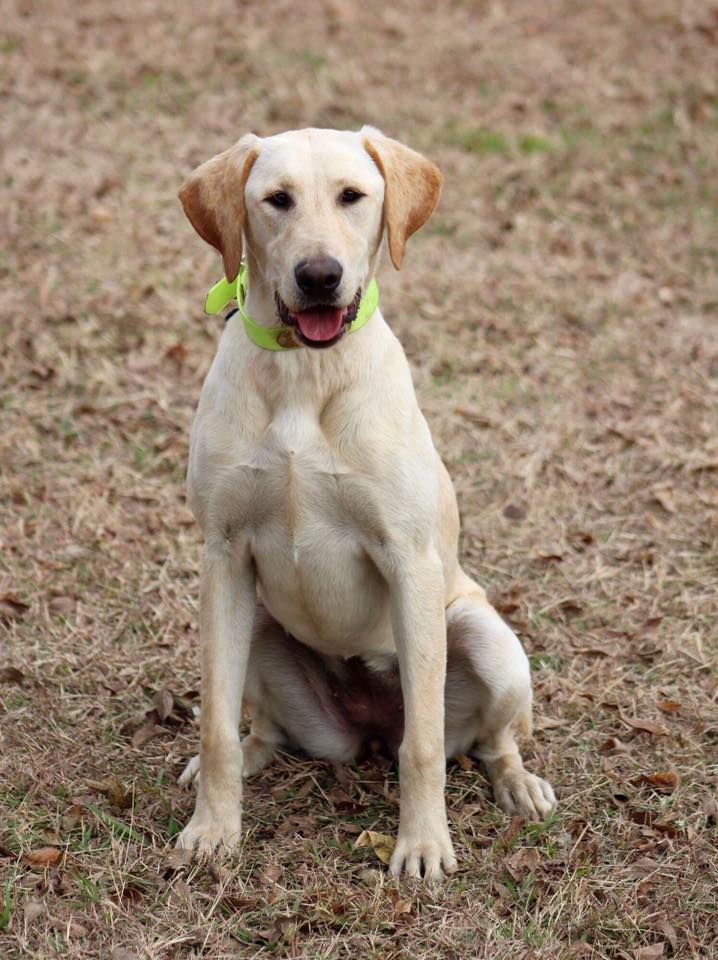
(429, 857)
(256, 754)
(520, 792)
(190, 774)
(207, 835)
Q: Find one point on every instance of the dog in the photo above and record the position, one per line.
(332, 602)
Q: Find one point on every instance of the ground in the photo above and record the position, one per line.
(560, 315)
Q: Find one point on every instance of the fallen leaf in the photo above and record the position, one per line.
(164, 702)
(664, 499)
(511, 832)
(669, 932)
(272, 872)
(664, 782)
(34, 909)
(12, 607)
(402, 906)
(522, 861)
(613, 743)
(68, 927)
(550, 723)
(122, 953)
(43, 857)
(73, 816)
(646, 725)
(116, 792)
(710, 810)
(596, 651)
(145, 733)
(652, 952)
(175, 860)
(644, 867)
(349, 827)
(177, 352)
(466, 763)
(61, 606)
(381, 844)
(669, 706)
(11, 675)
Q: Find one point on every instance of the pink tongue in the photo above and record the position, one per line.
(320, 324)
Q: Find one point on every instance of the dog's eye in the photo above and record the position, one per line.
(350, 196)
(279, 200)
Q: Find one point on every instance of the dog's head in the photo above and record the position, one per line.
(310, 206)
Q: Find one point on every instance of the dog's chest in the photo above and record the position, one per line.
(313, 518)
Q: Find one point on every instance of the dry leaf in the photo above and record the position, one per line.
(653, 952)
(466, 763)
(34, 909)
(646, 725)
(177, 859)
(669, 932)
(43, 857)
(145, 733)
(272, 872)
(669, 706)
(12, 607)
(116, 792)
(663, 782)
(402, 907)
(164, 702)
(710, 810)
(11, 674)
(381, 844)
(522, 861)
(68, 927)
(550, 723)
(73, 816)
(664, 499)
(122, 953)
(613, 743)
(512, 831)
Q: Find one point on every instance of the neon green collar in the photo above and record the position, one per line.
(279, 337)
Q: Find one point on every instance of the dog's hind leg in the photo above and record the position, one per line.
(291, 701)
(292, 696)
(488, 701)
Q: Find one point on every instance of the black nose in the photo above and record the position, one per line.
(318, 276)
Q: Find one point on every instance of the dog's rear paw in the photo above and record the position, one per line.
(256, 754)
(190, 774)
(520, 792)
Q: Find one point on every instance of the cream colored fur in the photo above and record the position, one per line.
(326, 511)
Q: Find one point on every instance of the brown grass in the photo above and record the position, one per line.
(560, 313)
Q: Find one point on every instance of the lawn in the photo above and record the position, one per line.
(560, 313)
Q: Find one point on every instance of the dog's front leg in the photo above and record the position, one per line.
(419, 625)
(227, 606)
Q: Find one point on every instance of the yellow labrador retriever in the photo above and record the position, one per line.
(332, 601)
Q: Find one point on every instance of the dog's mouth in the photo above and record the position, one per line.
(320, 325)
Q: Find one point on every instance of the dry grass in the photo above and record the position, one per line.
(560, 313)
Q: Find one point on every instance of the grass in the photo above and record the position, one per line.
(559, 315)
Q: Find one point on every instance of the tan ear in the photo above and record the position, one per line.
(412, 187)
(213, 199)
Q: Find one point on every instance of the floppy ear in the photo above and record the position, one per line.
(213, 199)
(412, 186)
